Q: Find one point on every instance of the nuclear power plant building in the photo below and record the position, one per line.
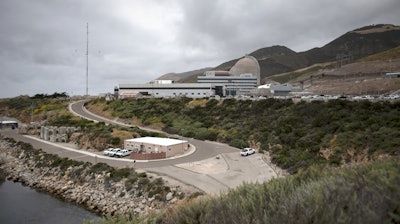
(243, 77)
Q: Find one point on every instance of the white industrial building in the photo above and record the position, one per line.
(170, 90)
(392, 75)
(241, 79)
(230, 85)
(274, 89)
(151, 147)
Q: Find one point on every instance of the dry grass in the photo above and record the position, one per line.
(200, 103)
(361, 85)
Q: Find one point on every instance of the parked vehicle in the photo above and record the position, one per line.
(247, 151)
(123, 153)
(108, 151)
(113, 152)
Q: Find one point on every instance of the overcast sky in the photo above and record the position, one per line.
(43, 42)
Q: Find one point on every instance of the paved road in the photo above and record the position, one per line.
(213, 167)
(204, 149)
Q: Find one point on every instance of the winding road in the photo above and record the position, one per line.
(212, 167)
(204, 149)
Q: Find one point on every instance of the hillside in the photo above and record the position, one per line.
(176, 77)
(362, 194)
(296, 135)
(356, 44)
(341, 152)
(345, 49)
(364, 76)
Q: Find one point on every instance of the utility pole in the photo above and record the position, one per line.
(87, 59)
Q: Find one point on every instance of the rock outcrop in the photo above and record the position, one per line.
(96, 191)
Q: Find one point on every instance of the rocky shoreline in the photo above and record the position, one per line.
(95, 191)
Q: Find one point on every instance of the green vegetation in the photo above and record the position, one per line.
(367, 193)
(318, 142)
(297, 135)
(39, 107)
(99, 132)
(53, 110)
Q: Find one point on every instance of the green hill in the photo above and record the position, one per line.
(297, 135)
(343, 156)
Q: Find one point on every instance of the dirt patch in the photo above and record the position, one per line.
(350, 85)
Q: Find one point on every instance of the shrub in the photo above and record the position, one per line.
(64, 163)
(368, 193)
(143, 181)
(302, 127)
(100, 168)
(117, 174)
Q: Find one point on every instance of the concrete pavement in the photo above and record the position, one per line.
(219, 174)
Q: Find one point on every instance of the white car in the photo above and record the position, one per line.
(123, 152)
(107, 151)
(113, 152)
(247, 151)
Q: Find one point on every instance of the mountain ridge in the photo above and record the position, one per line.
(277, 59)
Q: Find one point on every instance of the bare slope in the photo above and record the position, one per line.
(345, 49)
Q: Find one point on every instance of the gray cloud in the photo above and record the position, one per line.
(43, 43)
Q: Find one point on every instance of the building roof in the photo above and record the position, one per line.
(8, 122)
(166, 86)
(248, 64)
(157, 141)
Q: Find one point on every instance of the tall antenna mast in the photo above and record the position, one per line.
(87, 59)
